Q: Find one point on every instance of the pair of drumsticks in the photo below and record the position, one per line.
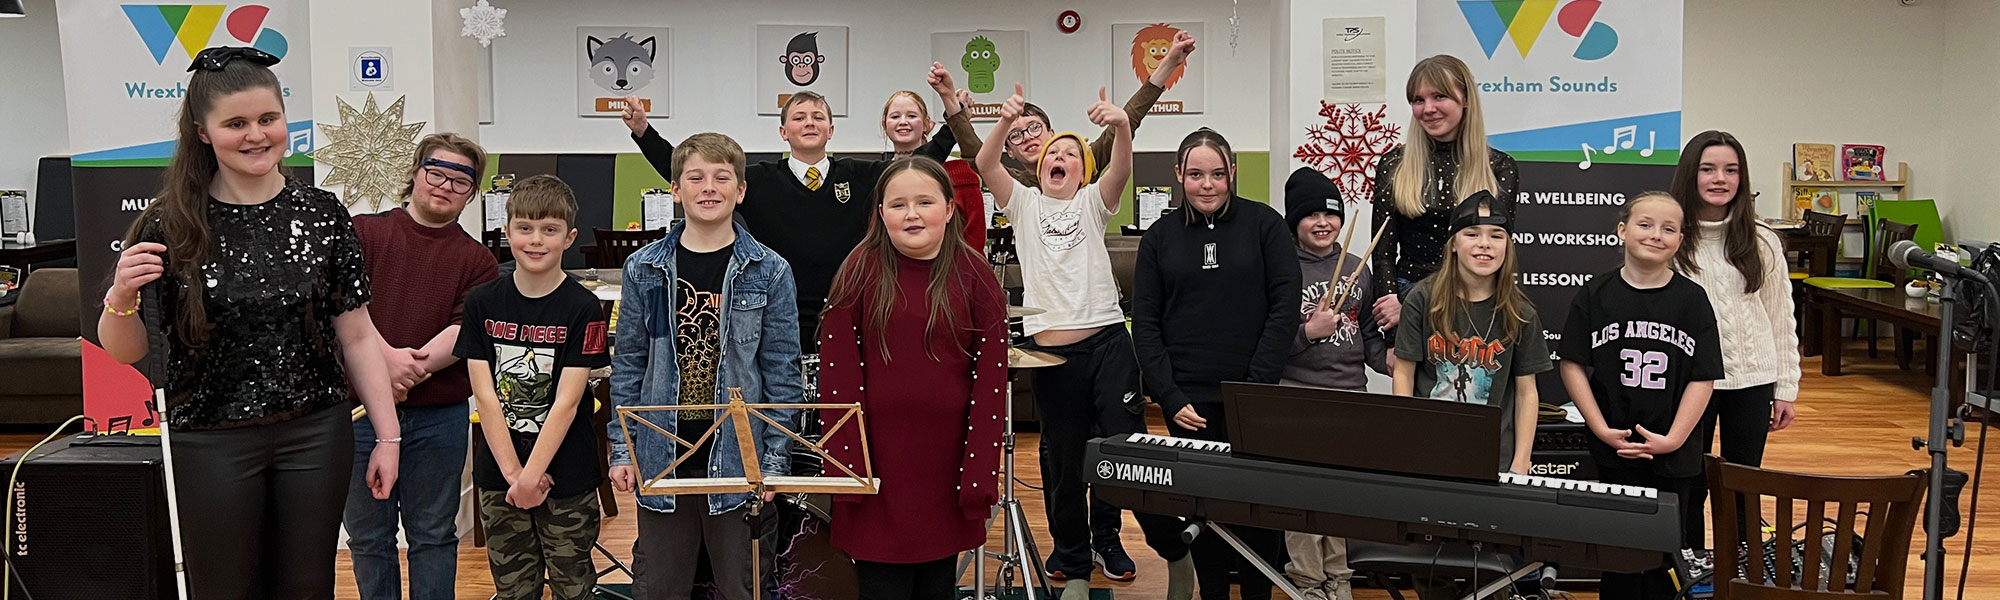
(1333, 285)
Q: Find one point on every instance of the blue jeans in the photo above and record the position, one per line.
(426, 497)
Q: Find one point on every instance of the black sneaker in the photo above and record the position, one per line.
(1116, 564)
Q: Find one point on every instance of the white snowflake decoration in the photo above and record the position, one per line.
(483, 23)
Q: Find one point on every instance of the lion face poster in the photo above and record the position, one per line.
(1141, 48)
(615, 62)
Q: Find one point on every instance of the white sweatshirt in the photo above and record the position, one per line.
(1760, 343)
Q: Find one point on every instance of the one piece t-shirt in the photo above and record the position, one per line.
(698, 341)
(1065, 268)
(1473, 363)
(528, 342)
(1642, 349)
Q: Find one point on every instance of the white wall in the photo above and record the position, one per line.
(31, 97)
(535, 102)
(1971, 123)
(1776, 72)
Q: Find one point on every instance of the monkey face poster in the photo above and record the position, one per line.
(801, 57)
(1141, 47)
(615, 62)
(986, 63)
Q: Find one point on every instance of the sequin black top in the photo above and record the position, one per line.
(1413, 247)
(278, 272)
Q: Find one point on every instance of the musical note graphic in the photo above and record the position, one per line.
(301, 142)
(1585, 165)
(1650, 135)
(1622, 137)
(119, 423)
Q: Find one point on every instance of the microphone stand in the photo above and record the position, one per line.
(1944, 429)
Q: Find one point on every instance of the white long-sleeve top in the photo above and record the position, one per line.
(1760, 343)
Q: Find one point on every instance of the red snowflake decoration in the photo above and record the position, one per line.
(1347, 147)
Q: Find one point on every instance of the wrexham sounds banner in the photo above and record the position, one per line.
(125, 73)
(1586, 96)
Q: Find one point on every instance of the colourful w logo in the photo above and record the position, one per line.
(159, 25)
(1523, 20)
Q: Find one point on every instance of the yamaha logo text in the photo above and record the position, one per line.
(1148, 475)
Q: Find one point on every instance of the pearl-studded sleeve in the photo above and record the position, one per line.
(841, 377)
(979, 471)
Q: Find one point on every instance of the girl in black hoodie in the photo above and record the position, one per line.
(1217, 300)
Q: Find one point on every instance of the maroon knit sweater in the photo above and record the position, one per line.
(933, 421)
(419, 276)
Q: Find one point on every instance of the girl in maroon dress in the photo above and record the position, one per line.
(915, 331)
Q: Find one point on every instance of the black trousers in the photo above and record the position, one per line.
(934, 580)
(260, 506)
(1744, 418)
(1095, 393)
(1214, 558)
(1656, 584)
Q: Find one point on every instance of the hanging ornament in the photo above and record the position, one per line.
(1235, 24)
(370, 152)
(483, 23)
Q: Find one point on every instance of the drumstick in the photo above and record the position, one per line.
(1338, 266)
(1371, 250)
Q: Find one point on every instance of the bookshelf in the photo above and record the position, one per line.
(1897, 190)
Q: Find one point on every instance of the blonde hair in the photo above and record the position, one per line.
(714, 147)
(923, 110)
(1447, 299)
(449, 142)
(1448, 74)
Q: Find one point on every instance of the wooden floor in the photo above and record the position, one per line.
(1857, 424)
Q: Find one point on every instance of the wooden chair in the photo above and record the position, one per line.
(1818, 250)
(496, 241)
(1887, 233)
(614, 246)
(1886, 523)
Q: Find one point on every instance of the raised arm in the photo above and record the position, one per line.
(1117, 171)
(988, 159)
(1142, 100)
(658, 151)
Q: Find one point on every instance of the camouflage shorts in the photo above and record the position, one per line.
(553, 539)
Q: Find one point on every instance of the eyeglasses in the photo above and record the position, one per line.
(1032, 130)
(214, 59)
(438, 178)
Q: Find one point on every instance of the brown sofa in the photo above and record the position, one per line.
(40, 351)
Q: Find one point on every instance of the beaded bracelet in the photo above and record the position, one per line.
(121, 313)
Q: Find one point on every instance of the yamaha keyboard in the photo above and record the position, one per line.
(1561, 521)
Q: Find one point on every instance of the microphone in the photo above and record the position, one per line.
(1905, 254)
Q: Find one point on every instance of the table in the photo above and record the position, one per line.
(1888, 306)
(25, 255)
(1818, 252)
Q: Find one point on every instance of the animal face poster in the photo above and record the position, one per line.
(986, 63)
(1141, 48)
(801, 57)
(615, 62)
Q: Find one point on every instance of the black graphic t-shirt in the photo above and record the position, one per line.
(1472, 362)
(1643, 348)
(528, 342)
(698, 341)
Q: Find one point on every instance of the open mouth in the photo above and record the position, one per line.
(258, 151)
(1482, 257)
(1321, 234)
(534, 254)
(708, 202)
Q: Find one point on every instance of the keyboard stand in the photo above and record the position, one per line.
(1284, 583)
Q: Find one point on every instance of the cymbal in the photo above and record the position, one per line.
(1016, 312)
(1030, 359)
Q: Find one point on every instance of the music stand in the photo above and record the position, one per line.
(753, 480)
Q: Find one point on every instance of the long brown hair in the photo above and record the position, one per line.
(1448, 74)
(1739, 237)
(867, 279)
(1447, 301)
(1205, 138)
(181, 208)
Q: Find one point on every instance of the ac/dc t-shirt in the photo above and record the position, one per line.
(1474, 362)
(528, 342)
(1642, 348)
(698, 340)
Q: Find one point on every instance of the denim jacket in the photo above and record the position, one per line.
(760, 333)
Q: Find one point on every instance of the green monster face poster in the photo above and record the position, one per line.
(986, 63)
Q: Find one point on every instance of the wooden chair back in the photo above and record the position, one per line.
(1883, 509)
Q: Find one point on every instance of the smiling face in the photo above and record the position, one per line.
(1062, 168)
(1717, 179)
(1652, 232)
(1025, 139)
(438, 194)
(1437, 112)
(915, 212)
(1205, 179)
(1481, 248)
(905, 122)
(807, 127)
(538, 244)
(247, 130)
(1316, 232)
(708, 191)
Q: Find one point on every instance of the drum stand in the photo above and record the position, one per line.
(1018, 553)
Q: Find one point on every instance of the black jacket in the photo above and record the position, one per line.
(1216, 299)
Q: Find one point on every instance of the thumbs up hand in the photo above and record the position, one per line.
(1011, 109)
(1105, 114)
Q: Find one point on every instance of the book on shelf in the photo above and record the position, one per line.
(1815, 162)
(1864, 202)
(1862, 162)
(1805, 198)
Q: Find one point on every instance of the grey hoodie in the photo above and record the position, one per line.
(1335, 362)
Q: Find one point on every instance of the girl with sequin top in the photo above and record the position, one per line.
(1418, 183)
(915, 332)
(262, 296)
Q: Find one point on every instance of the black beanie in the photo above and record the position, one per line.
(1309, 191)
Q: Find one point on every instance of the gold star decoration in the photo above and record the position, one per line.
(370, 151)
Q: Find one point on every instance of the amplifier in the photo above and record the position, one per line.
(1563, 450)
(88, 519)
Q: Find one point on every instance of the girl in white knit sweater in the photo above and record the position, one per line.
(1741, 263)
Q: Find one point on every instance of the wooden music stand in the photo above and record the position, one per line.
(753, 481)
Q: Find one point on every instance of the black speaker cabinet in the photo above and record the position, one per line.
(88, 519)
